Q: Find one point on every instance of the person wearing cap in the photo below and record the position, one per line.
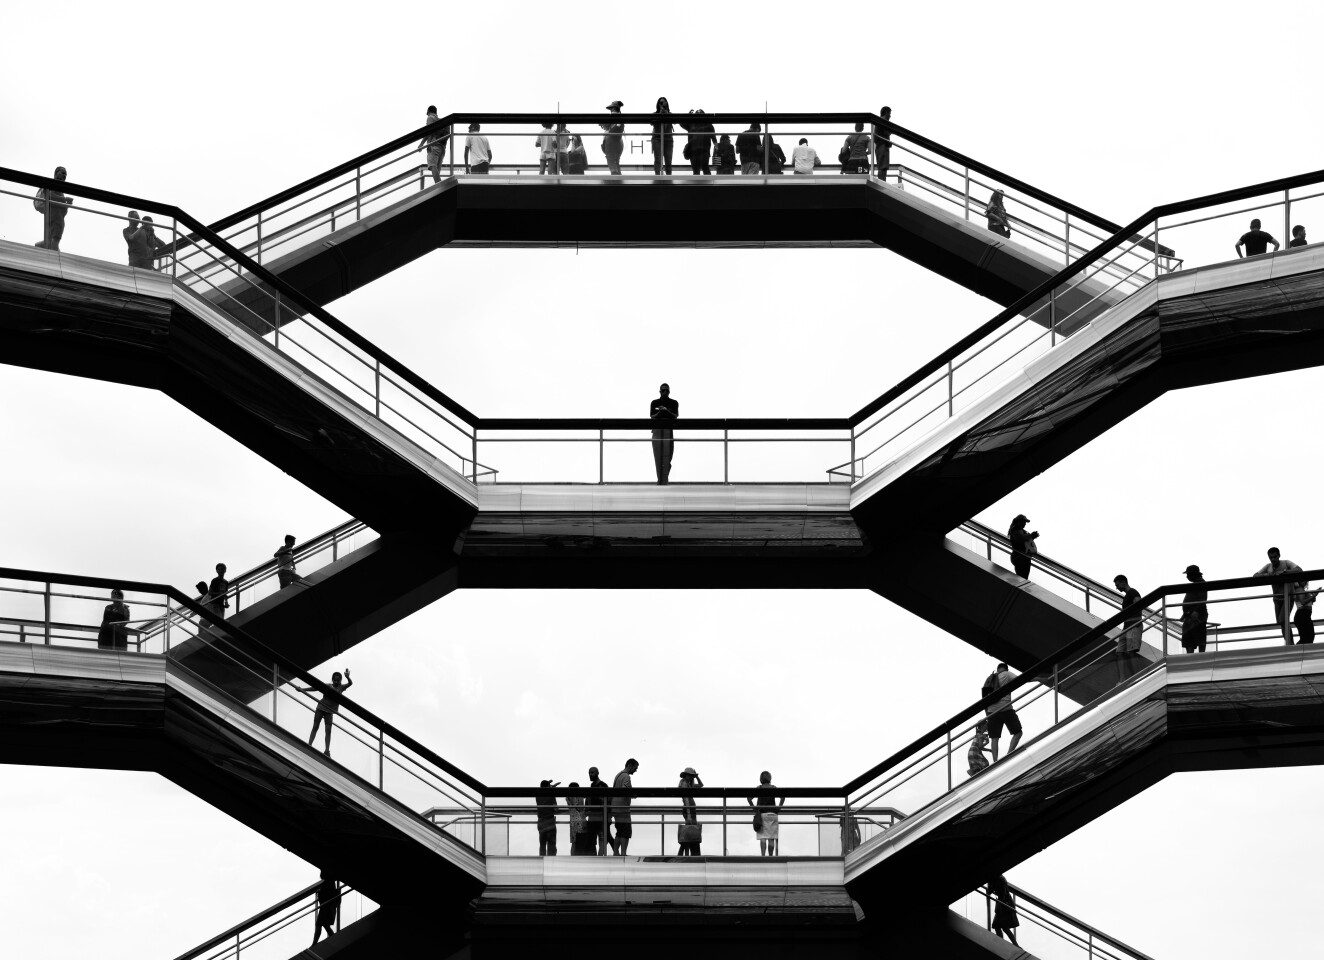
(663, 409)
(1194, 612)
(689, 834)
(882, 142)
(1022, 545)
(547, 810)
(477, 151)
(1283, 593)
(1129, 641)
(435, 144)
(613, 144)
(53, 204)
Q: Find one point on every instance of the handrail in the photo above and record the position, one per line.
(1094, 931)
(454, 120)
(1080, 644)
(257, 918)
(1123, 235)
(288, 667)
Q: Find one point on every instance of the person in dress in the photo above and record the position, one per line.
(1194, 612)
(1005, 920)
(766, 802)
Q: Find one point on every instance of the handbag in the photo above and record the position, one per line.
(689, 833)
(686, 152)
(843, 154)
(758, 821)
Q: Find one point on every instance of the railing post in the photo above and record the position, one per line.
(237, 945)
(1287, 217)
(1163, 615)
(259, 238)
(988, 907)
(381, 760)
(275, 320)
(1091, 945)
(601, 456)
(662, 834)
(1156, 251)
(475, 454)
(724, 851)
(949, 761)
(767, 136)
(726, 455)
(951, 388)
(451, 128)
(482, 814)
(358, 193)
(275, 690)
(1056, 688)
(46, 607)
(335, 547)
(1067, 242)
(174, 258)
(377, 388)
(967, 193)
(1052, 316)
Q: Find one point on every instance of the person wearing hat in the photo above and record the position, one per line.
(547, 810)
(663, 410)
(1194, 612)
(613, 144)
(689, 834)
(1022, 545)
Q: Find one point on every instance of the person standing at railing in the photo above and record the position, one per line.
(699, 147)
(327, 707)
(663, 142)
(1298, 237)
(766, 802)
(53, 204)
(724, 156)
(1305, 611)
(856, 149)
(663, 409)
(1194, 612)
(581, 843)
(1023, 546)
(689, 833)
(577, 159)
(750, 150)
(328, 907)
(114, 634)
(1000, 712)
(613, 144)
(562, 149)
(1256, 241)
(621, 808)
(596, 816)
(547, 811)
(772, 153)
(284, 557)
(1128, 643)
(996, 211)
(1282, 592)
(882, 142)
(435, 144)
(546, 142)
(477, 151)
(218, 589)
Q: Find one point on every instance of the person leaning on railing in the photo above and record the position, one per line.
(882, 142)
(53, 205)
(1194, 612)
(114, 634)
(724, 156)
(689, 833)
(477, 151)
(996, 213)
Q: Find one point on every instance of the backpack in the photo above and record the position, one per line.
(989, 686)
(39, 201)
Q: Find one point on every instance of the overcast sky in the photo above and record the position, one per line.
(212, 107)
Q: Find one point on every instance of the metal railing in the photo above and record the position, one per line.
(943, 759)
(1047, 932)
(281, 931)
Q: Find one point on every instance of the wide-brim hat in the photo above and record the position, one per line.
(1020, 517)
(688, 772)
(1193, 569)
(614, 104)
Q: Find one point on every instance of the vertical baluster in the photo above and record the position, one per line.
(46, 606)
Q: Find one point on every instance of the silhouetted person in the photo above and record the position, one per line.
(976, 762)
(53, 204)
(850, 833)
(546, 149)
(545, 801)
(750, 150)
(328, 907)
(581, 844)
(1194, 612)
(1022, 545)
(857, 150)
(621, 808)
(1128, 643)
(613, 144)
(689, 834)
(882, 142)
(773, 157)
(114, 632)
(1298, 237)
(477, 151)
(804, 158)
(218, 589)
(996, 211)
(595, 818)
(766, 802)
(144, 246)
(1005, 920)
(577, 159)
(1282, 592)
(663, 409)
(663, 141)
(327, 707)
(699, 147)
(1000, 712)
(724, 156)
(1304, 618)
(128, 232)
(435, 144)
(562, 149)
(1256, 241)
(285, 571)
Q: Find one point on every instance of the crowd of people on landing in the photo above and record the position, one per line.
(591, 819)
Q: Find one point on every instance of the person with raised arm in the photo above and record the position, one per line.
(327, 707)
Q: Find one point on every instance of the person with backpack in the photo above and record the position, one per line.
(855, 151)
(751, 153)
(776, 159)
(1022, 545)
(53, 204)
(724, 157)
(1000, 712)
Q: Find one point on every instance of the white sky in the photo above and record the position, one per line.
(213, 107)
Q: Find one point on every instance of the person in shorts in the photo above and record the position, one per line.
(435, 143)
(595, 816)
(621, 809)
(327, 707)
(1000, 712)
